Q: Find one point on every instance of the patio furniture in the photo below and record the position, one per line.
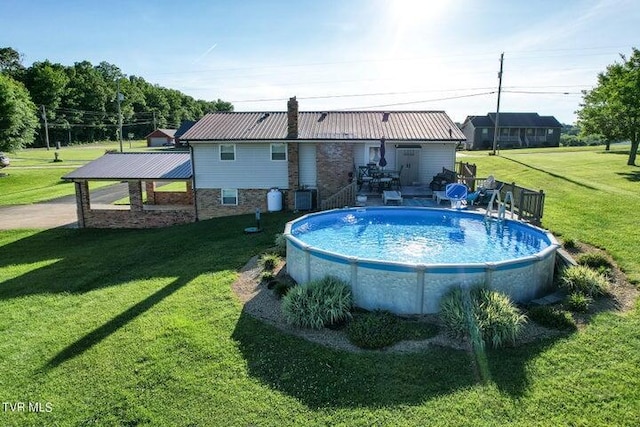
(457, 194)
(439, 196)
(391, 196)
(440, 181)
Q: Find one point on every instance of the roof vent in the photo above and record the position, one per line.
(385, 116)
(322, 117)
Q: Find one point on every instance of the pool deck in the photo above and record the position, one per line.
(420, 196)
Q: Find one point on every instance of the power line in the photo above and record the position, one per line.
(416, 102)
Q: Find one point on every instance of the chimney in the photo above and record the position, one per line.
(292, 118)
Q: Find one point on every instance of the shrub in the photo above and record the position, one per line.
(318, 303)
(584, 280)
(281, 244)
(596, 261)
(280, 288)
(569, 244)
(482, 315)
(375, 329)
(578, 302)
(552, 317)
(267, 276)
(269, 261)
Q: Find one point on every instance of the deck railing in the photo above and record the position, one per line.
(527, 204)
(346, 196)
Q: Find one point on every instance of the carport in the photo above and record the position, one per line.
(161, 209)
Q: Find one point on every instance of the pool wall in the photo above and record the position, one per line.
(417, 288)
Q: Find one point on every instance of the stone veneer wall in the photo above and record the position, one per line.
(335, 161)
(209, 204)
(294, 173)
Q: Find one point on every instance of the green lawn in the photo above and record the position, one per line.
(591, 194)
(140, 327)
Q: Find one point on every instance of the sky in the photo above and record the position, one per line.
(341, 54)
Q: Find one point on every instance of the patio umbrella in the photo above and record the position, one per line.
(383, 161)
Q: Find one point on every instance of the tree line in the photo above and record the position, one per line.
(80, 103)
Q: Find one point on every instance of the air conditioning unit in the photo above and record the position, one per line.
(305, 200)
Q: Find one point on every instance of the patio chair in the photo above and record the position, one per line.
(457, 194)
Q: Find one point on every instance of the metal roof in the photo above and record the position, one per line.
(122, 166)
(525, 120)
(333, 125)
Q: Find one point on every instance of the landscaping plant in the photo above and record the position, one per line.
(482, 315)
(552, 317)
(585, 280)
(578, 302)
(318, 303)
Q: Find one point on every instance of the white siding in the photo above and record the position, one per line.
(252, 168)
(307, 165)
(435, 156)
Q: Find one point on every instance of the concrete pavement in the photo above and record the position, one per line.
(60, 212)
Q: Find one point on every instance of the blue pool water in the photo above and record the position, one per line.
(419, 236)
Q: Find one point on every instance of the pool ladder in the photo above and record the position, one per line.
(500, 205)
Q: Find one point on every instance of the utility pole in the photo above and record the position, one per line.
(154, 121)
(119, 98)
(496, 129)
(46, 126)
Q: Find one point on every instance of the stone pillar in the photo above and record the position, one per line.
(83, 201)
(150, 187)
(135, 195)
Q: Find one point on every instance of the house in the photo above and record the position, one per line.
(516, 130)
(161, 137)
(184, 127)
(239, 156)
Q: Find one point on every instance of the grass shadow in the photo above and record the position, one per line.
(102, 332)
(555, 175)
(630, 176)
(320, 376)
(86, 260)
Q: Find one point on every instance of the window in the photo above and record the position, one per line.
(227, 151)
(229, 196)
(278, 151)
(549, 131)
(485, 131)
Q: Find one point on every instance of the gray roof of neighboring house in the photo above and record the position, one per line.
(479, 121)
(333, 125)
(121, 166)
(515, 120)
(185, 126)
(525, 120)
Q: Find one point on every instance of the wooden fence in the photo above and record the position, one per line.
(527, 204)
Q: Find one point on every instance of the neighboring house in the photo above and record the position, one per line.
(161, 137)
(517, 130)
(239, 156)
(184, 127)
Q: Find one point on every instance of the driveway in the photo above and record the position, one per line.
(60, 212)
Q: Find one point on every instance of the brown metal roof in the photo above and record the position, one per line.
(121, 166)
(333, 125)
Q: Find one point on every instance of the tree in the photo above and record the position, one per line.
(11, 62)
(612, 108)
(18, 120)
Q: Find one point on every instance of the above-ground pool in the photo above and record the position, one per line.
(405, 259)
